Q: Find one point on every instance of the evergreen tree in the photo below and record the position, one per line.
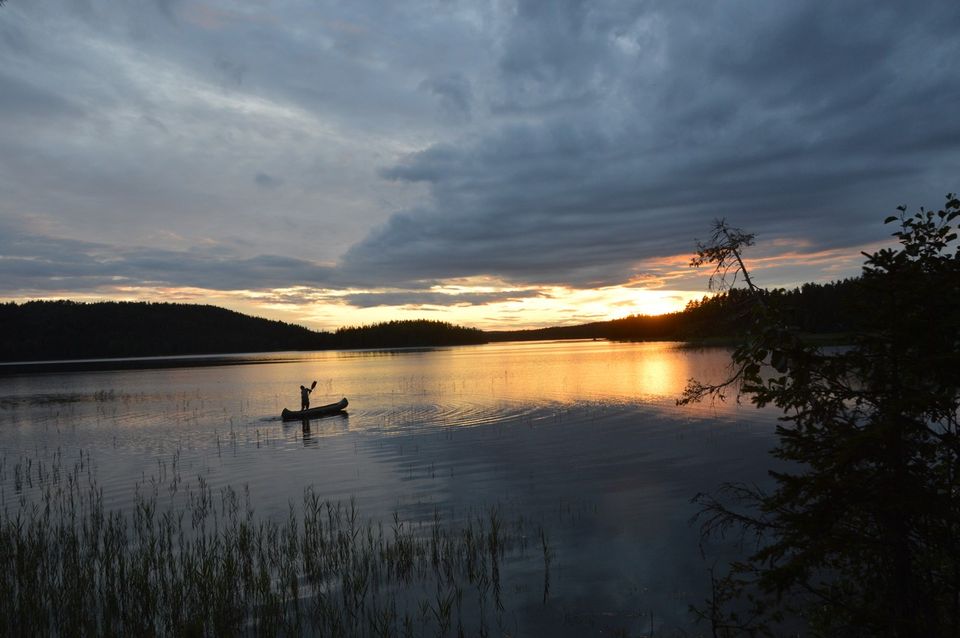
(861, 537)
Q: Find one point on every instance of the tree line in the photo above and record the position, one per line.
(57, 330)
(45, 330)
(816, 309)
(402, 334)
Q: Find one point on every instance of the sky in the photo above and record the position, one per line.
(493, 164)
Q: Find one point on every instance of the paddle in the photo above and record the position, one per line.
(313, 385)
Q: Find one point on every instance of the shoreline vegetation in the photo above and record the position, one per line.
(59, 331)
(190, 560)
(858, 535)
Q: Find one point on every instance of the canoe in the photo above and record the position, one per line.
(323, 410)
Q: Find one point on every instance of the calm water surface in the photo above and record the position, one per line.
(583, 437)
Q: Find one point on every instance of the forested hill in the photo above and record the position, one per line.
(400, 334)
(56, 330)
(816, 309)
(45, 330)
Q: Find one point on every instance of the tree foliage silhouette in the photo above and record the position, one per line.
(860, 536)
(57, 330)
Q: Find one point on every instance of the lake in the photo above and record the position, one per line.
(583, 437)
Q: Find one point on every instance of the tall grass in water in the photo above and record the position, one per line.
(188, 560)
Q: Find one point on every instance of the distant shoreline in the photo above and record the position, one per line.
(63, 336)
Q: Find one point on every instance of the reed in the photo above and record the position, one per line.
(189, 560)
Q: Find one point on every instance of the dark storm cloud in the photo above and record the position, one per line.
(124, 122)
(410, 143)
(803, 120)
(454, 93)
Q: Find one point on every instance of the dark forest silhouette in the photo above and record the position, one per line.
(56, 330)
(860, 534)
(71, 330)
(52, 330)
(401, 334)
(822, 309)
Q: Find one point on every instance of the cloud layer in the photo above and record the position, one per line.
(364, 146)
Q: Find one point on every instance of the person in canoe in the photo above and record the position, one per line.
(305, 396)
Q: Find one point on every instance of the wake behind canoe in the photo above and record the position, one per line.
(323, 410)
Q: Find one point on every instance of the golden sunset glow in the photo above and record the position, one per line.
(658, 286)
(329, 310)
